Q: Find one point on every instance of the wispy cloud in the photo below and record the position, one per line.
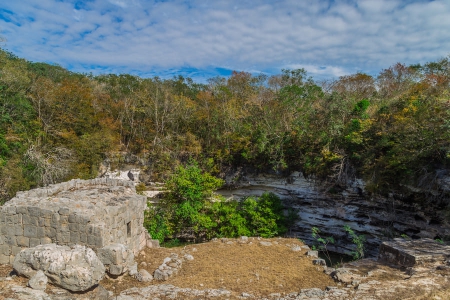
(327, 38)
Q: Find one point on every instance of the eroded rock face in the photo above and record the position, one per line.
(377, 219)
(75, 268)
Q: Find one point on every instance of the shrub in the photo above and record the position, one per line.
(191, 210)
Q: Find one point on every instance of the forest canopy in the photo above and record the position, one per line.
(391, 130)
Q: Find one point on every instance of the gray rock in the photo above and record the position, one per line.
(319, 261)
(314, 292)
(117, 258)
(133, 270)
(25, 293)
(38, 281)
(75, 268)
(169, 267)
(100, 293)
(145, 276)
(344, 275)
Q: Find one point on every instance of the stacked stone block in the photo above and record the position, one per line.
(94, 213)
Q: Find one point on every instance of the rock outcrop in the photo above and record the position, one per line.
(75, 268)
(408, 253)
(377, 219)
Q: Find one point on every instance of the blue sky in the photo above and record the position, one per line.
(204, 38)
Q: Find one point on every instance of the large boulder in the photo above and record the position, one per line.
(76, 268)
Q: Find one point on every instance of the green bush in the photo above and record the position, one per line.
(156, 223)
(264, 215)
(190, 209)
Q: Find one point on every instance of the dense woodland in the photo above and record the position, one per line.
(392, 130)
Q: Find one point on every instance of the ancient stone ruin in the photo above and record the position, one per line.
(93, 213)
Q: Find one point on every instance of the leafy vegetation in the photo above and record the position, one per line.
(392, 130)
(358, 241)
(190, 210)
(322, 243)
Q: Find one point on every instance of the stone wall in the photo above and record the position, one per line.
(94, 213)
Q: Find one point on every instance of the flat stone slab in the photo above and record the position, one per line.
(413, 252)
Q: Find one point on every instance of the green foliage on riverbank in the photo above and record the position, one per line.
(392, 130)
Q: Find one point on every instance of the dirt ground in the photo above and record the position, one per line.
(238, 267)
(261, 270)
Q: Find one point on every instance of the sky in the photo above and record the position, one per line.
(207, 38)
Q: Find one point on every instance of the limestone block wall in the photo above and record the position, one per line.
(94, 213)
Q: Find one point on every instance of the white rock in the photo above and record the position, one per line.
(188, 257)
(75, 268)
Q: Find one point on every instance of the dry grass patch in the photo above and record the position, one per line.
(249, 267)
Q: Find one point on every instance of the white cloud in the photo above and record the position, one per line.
(326, 37)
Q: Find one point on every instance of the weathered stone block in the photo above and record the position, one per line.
(34, 242)
(29, 220)
(29, 231)
(116, 270)
(10, 240)
(15, 250)
(4, 259)
(64, 211)
(9, 230)
(46, 213)
(40, 232)
(64, 219)
(82, 228)
(64, 227)
(50, 232)
(152, 244)
(412, 252)
(34, 211)
(9, 219)
(46, 240)
(73, 226)
(11, 210)
(5, 249)
(83, 238)
(18, 230)
(73, 218)
(22, 210)
(55, 220)
(23, 241)
(74, 237)
(63, 238)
